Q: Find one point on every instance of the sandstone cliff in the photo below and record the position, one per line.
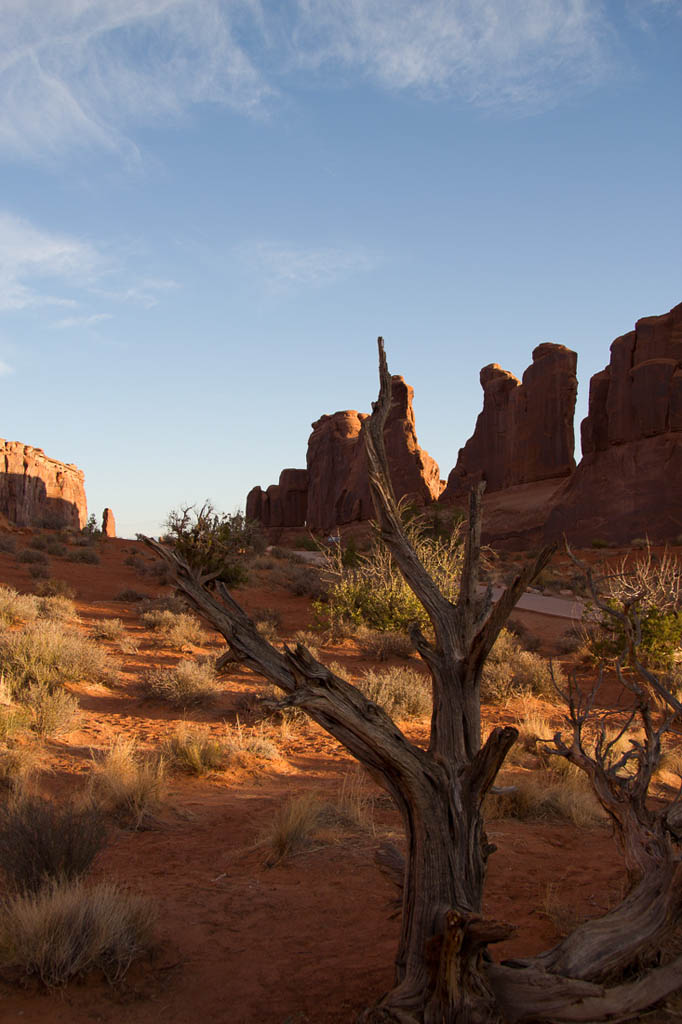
(525, 432)
(629, 482)
(333, 491)
(36, 490)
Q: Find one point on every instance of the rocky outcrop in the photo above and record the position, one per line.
(282, 504)
(628, 482)
(108, 523)
(36, 490)
(525, 432)
(333, 491)
(338, 491)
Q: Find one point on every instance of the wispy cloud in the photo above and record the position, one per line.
(81, 321)
(82, 72)
(33, 262)
(486, 51)
(44, 268)
(5, 369)
(285, 266)
(78, 71)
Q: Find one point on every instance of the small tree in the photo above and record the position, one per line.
(213, 543)
(443, 974)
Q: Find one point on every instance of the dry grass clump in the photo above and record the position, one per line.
(510, 671)
(52, 711)
(128, 785)
(55, 588)
(268, 623)
(56, 608)
(113, 631)
(294, 827)
(19, 763)
(185, 685)
(244, 745)
(177, 629)
(47, 654)
(195, 751)
(309, 640)
(67, 929)
(40, 840)
(15, 607)
(545, 796)
(383, 643)
(400, 691)
(271, 698)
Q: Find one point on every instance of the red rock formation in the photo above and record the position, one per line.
(629, 482)
(333, 491)
(338, 492)
(282, 504)
(108, 523)
(36, 490)
(525, 431)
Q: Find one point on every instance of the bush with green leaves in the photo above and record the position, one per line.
(214, 543)
(511, 671)
(373, 592)
(651, 587)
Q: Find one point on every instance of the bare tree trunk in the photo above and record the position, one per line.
(442, 972)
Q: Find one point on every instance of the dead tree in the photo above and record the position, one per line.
(443, 972)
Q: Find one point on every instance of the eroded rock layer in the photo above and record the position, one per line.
(333, 491)
(525, 432)
(36, 490)
(629, 482)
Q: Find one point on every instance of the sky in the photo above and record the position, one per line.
(210, 209)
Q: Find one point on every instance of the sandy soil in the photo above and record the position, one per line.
(311, 940)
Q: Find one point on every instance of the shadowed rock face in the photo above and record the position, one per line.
(333, 491)
(282, 504)
(525, 432)
(628, 483)
(37, 490)
(108, 523)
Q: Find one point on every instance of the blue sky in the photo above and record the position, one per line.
(210, 209)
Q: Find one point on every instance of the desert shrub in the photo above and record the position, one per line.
(213, 542)
(67, 929)
(301, 580)
(308, 639)
(15, 607)
(41, 840)
(39, 572)
(544, 797)
(195, 751)
(400, 691)
(176, 628)
(55, 548)
(185, 685)
(19, 762)
(293, 827)
(108, 629)
(55, 588)
(52, 711)
(164, 603)
(652, 588)
(131, 596)
(31, 557)
(48, 655)
(14, 719)
(374, 592)
(254, 743)
(86, 555)
(383, 643)
(8, 545)
(128, 785)
(57, 608)
(510, 671)
(38, 542)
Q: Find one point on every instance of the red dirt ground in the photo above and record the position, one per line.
(311, 940)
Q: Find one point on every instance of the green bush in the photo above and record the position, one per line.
(374, 593)
(214, 543)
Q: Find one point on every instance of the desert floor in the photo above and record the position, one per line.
(311, 939)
